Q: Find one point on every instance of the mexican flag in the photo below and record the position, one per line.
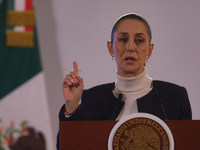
(24, 113)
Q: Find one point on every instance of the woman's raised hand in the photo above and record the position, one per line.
(72, 89)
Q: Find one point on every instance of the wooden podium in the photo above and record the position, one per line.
(93, 135)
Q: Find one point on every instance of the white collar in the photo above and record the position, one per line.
(134, 84)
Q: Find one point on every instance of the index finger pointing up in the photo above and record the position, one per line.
(75, 66)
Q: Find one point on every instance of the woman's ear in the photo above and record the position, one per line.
(150, 50)
(110, 48)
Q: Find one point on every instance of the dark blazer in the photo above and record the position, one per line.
(165, 100)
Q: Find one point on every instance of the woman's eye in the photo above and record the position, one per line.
(138, 41)
(123, 39)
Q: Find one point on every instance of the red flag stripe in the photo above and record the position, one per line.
(28, 6)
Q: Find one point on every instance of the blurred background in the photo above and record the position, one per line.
(78, 30)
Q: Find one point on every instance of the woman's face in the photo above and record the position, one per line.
(130, 47)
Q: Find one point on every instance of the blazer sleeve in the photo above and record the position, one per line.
(76, 116)
(186, 112)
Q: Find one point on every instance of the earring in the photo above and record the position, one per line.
(147, 59)
(112, 57)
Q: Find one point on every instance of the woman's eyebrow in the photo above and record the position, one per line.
(123, 33)
(140, 34)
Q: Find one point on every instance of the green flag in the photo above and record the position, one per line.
(23, 99)
(17, 64)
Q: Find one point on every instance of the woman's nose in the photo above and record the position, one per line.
(131, 47)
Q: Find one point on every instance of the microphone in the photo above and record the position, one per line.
(161, 104)
(117, 105)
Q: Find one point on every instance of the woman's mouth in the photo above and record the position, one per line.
(130, 59)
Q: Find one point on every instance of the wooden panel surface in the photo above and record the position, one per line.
(93, 135)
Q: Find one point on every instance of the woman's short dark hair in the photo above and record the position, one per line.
(134, 17)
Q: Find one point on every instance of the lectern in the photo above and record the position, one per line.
(93, 135)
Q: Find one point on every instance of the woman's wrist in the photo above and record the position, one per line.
(68, 114)
(71, 107)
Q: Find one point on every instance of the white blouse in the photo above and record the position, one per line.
(132, 89)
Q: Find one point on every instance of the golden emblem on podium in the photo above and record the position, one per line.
(141, 131)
